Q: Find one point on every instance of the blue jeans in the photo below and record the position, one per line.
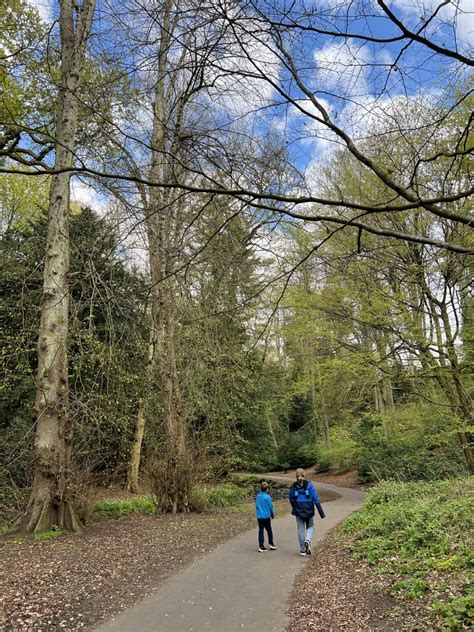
(305, 528)
(264, 523)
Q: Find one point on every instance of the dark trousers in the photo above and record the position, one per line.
(264, 523)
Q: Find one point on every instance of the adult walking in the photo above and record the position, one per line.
(304, 499)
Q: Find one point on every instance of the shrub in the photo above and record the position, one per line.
(110, 509)
(339, 455)
(408, 445)
(420, 533)
(226, 495)
(221, 496)
(296, 451)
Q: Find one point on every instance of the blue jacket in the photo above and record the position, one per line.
(303, 499)
(264, 506)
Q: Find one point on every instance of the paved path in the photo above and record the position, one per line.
(234, 588)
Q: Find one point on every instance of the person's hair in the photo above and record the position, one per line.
(299, 472)
(264, 486)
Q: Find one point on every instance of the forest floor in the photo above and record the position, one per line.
(335, 592)
(76, 582)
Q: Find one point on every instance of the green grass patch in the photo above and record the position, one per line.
(422, 535)
(225, 495)
(112, 509)
(222, 496)
(55, 532)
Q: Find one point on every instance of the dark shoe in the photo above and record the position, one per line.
(307, 548)
(262, 549)
(272, 547)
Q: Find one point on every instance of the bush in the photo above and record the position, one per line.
(296, 451)
(420, 534)
(111, 509)
(226, 495)
(339, 456)
(409, 445)
(220, 496)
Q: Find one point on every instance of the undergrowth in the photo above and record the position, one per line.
(421, 536)
(110, 509)
(221, 496)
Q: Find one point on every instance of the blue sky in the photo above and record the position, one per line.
(353, 79)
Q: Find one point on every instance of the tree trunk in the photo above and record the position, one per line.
(162, 224)
(136, 451)
(324, 410)
(49, 503)
(449, 378)
(134, 464)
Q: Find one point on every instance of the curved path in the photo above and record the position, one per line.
(234, 587)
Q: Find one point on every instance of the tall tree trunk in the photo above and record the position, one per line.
(49, 503)
(161, 228)
(324, 409)
(464, 401)
(134, 463)
(448, 376)
(136, 451)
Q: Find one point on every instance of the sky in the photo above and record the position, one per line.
(355, 81)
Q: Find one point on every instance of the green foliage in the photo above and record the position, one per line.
(339, 456)
(222, 496)
(112, 509)
(225, 495)
(413, 443)
(53, 533)
(107, 346)
(411, 587)
(420, 533)
(296, 451)
(457, 614)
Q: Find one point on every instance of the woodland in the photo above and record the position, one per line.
(234, 236)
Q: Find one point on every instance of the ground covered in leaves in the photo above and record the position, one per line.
(72, 582)
(334, 592)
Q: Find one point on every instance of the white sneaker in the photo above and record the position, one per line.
(307, 548)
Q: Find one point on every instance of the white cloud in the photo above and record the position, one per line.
(242, 68)
(86, 195)
(342, 66)
(457, 14)
(45, 9)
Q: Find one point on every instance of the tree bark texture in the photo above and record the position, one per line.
(140, 421)
(49, 503)
(162, 216)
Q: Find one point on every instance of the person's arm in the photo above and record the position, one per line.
(313, 493)
(272, 513)
(317, 502)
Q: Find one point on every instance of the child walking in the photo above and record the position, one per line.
(265, 514)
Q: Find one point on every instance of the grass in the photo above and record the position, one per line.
(420, 535)
(224, 495)
(55, 532)
(112, 509)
